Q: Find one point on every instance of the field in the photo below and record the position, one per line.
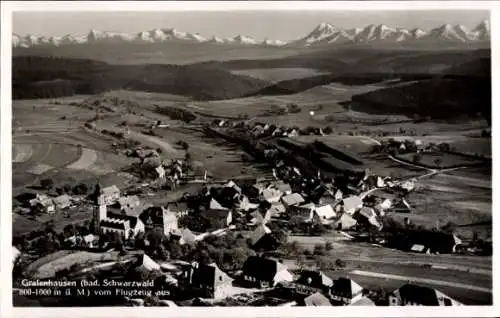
(274, 75)
(440, 160)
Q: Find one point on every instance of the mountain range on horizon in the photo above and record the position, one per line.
(323, 35)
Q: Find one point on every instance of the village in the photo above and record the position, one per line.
(230, 242)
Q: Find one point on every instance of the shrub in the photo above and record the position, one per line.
(340, 263)
(319, 249)
(47, 183)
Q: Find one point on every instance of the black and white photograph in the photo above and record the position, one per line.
(251, 158)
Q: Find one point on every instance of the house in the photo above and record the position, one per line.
(160, 172)
(402, 206)
(370, 216)
(323, 214)
(186, 237)
(345, 291)
(152, 217)
(178, 208)
(345, 222)
(108, 195)
(146, 263)
(271, 195)
(408, 185)
(215, 205)
(414, 295)
(246, 205)
(317, 299)
(258, 218)
(208, 281)
(129, 204)
(294, 199)
(283, 187)
(170, 222)
(233, 185)
(352, 204)
(265, 272)
(384, 205)
(315, 279)
(304, 212)
(62, 201)
(338, 195)
(262, 238)
(44, 202)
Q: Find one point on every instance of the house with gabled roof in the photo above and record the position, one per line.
(345, 291)
(415, 295)
(45, 202)
(323, 214)
(208, 281)
(294, 199)
(315, 279)
(109, 195)
(345, 222)
(265, 272)
(352, 204)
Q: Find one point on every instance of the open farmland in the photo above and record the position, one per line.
(440, 160)
(274, 75)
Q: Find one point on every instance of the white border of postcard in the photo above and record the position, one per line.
(6, 309)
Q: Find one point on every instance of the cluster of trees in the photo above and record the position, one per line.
(119, 135)
(322, 256)
(176, 113)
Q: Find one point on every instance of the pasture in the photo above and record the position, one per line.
(440, 160)
(274, 75)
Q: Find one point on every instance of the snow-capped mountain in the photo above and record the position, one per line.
(323, 34)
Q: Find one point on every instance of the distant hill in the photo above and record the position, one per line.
(43, 77)
(460, 90)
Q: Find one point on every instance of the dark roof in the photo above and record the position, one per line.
(176, 206)
(132, 219)
(113, 225)
(263, 269)
(155, 213)
(343, 287)
(208, 275)
(316, 277)
(418, 294)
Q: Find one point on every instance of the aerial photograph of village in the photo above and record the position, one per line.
(251, 158)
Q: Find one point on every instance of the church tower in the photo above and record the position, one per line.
(99, 209)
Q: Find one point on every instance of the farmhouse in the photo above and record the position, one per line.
(370, 216)
(315, 279)
(208, 281)
(44, 202)
(271, 195)
(262, 238)
(265, 272)
(304, 212)
(414, 295)
(352, 204)
(323, 214)
(345, 291)
(345, 222)
(294, 199)
(108, 195)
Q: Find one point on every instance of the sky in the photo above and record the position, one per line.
(282, 25)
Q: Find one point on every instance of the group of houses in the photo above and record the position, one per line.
(50, 205)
